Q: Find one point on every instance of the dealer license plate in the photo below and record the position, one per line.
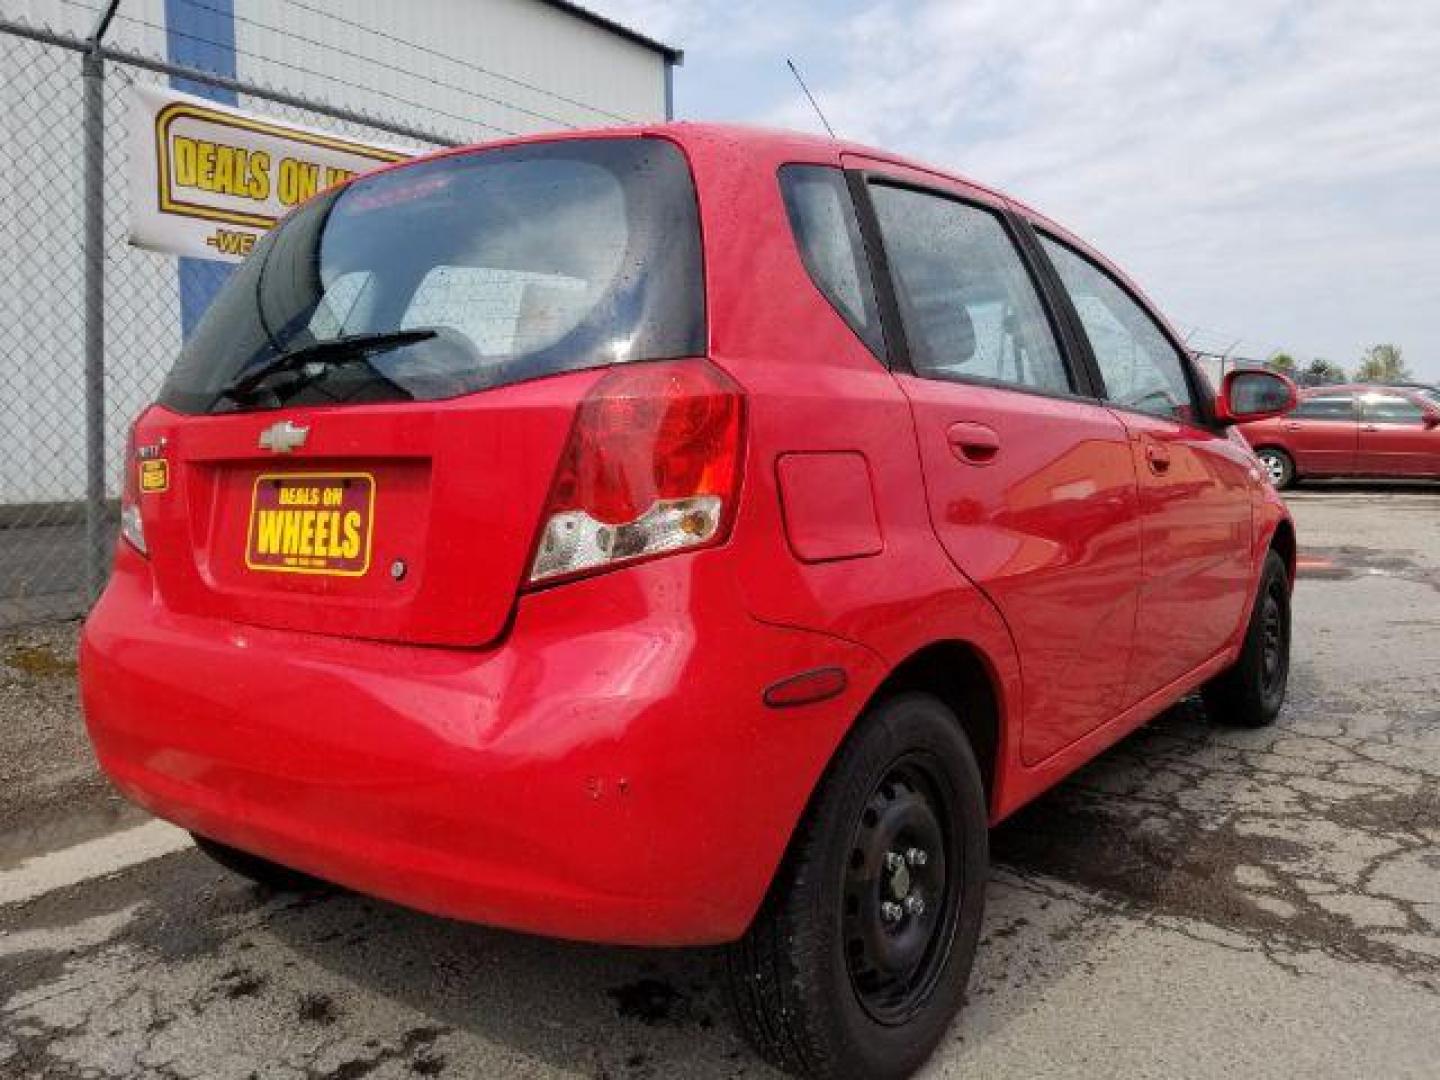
(311, 523)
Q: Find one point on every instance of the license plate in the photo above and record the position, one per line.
(311, 523)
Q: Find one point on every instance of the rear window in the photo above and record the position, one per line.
(1391, 409)
(484, 268)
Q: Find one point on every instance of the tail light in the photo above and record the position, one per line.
(652, 466)
(132, 528)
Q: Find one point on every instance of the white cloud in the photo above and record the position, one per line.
(1269, 167)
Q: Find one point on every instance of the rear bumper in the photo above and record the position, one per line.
(608, 773)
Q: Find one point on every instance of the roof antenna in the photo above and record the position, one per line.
(815, 104)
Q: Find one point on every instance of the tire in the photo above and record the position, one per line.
(1250, 693)
(263, 872)
(828, 983)
(1278, 465)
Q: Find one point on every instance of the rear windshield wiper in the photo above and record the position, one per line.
(331, 352)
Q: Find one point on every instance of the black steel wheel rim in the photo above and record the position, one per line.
(1275, 640)
(901, 890)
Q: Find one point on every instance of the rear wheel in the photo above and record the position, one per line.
(859, 957)
(1251, 692)
(261, 871)
(1279, 466)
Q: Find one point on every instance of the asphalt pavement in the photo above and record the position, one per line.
(1199, 902)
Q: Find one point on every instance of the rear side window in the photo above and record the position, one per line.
(1330, 407)
(822, 217)
(483, 268)
(1390, 409)
(970, 308)
(1141, 368)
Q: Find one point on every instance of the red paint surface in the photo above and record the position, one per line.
(594, 759)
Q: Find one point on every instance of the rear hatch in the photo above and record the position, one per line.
(361, 435)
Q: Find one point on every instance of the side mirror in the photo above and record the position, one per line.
(1432, 419)
(1254, 394)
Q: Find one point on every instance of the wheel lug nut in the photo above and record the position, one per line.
(916, 856)
(891, 912)
(894, 861)
(914, 905)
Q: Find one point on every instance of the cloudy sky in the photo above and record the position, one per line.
(1269, 170)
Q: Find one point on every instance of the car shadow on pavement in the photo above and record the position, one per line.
(615, 1012)
(492, 996)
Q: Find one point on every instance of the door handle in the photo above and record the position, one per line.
(974, 444)
(1292, 426)
(1157, 457)
(1370, 427)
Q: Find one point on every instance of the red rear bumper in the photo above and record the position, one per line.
(609, 773)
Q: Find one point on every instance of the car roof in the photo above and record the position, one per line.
(779, 141)
(776, 142)
(802, 144)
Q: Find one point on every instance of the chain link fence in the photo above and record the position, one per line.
(88, 324)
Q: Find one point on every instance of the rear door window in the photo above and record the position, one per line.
(822, 217)
(1141, 368)
(1390, 409)
(493, 266)
(969, 306)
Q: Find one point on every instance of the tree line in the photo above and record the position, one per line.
(1378, 364)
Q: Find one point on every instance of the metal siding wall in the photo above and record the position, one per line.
(526, 40)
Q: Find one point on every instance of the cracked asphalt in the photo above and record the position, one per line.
(1198, 902)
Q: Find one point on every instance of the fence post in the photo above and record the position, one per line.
(92, 69)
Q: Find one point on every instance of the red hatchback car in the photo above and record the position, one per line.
(1355, 430)
(677, 536)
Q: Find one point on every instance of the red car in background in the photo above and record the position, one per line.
(1351, 430)
(675, 536)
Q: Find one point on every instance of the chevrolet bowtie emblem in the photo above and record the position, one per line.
(283, 437)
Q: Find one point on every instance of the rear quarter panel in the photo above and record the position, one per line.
(813, 387)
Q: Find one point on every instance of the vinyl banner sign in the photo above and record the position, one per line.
(207, 180)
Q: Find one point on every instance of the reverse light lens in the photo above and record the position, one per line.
(575, 541)
(132, 527)
(651, 466)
